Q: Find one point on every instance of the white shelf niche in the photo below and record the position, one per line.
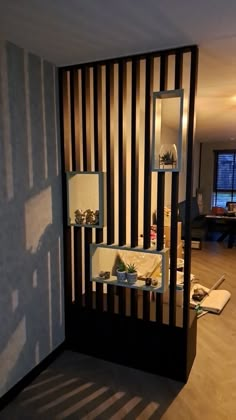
(104, 257)
(167, 130)
(85, 190)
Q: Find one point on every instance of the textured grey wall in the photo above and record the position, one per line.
(207, 168)
(31, 271)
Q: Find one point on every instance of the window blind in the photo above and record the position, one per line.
(224, 186)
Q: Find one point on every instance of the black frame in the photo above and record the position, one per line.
(100, 328)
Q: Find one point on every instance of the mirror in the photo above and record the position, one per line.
(85, 199)
(167, 130)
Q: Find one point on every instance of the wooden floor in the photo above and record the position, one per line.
(80, 387)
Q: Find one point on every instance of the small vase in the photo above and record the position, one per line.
(131, 278)
(121, 276)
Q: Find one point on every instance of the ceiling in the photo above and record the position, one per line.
(73, 31)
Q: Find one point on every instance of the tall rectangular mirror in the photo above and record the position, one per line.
(167, 130)
(85, 199)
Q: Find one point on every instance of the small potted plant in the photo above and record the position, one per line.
(168, 155)
(132, 274)
(121, 272)
(167, 159)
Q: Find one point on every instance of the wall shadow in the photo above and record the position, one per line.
(31, 267)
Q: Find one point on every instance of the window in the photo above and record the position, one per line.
(224, 185)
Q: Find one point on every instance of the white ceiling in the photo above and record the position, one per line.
(73, 31)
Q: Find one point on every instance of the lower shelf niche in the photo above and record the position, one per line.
(150, 263)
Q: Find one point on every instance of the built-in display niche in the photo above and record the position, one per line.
(167, 130)
(151, 267)
(85, 199)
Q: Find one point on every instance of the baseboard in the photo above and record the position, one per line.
(19, 386)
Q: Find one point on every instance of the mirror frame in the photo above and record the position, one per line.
(100, 192)
(156, 139)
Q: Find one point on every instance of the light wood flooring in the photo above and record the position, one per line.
(81, 387)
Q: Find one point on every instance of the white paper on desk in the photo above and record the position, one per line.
(215, 302)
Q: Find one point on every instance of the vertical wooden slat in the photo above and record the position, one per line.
(122, 173)
(178, 70)
(147, 154)
(189, 187)
(88, 120)
(122, 155)
(97, 111)
(74, 105)
(88, 283)
(78, 264)
(86, 140)
(110, 173)
(200, 165)
(109, 156)
(134, 171)
(72, 116)
(64, 111)
(174, 212)
(147, 173)
(83, 102)
(96, 117)
(161, 194)
(134, 154)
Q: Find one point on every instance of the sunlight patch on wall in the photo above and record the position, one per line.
(55, 118)
(28, 119)
(6, 124)
(15, 299)
(11, 353)
(38, 216)
(44, 125)
(37, 359)
(35, 279)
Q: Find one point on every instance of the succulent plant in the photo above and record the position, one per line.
(167, 157)
(131, 268)
(121, 266)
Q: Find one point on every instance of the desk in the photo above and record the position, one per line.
(230, 222)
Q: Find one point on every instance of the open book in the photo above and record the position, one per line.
(215, 302)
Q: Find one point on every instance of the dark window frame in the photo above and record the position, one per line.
(216, 189)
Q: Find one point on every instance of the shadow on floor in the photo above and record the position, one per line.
(77, 386)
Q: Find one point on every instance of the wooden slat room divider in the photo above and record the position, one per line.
(106, 126)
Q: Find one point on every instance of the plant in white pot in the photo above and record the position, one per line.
(168, 155)
(132, 274)
(121, 272)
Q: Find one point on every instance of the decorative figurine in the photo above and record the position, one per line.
(148, 281)
(79, 217)
(89, 217)
(96, 217)
(104, 274)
